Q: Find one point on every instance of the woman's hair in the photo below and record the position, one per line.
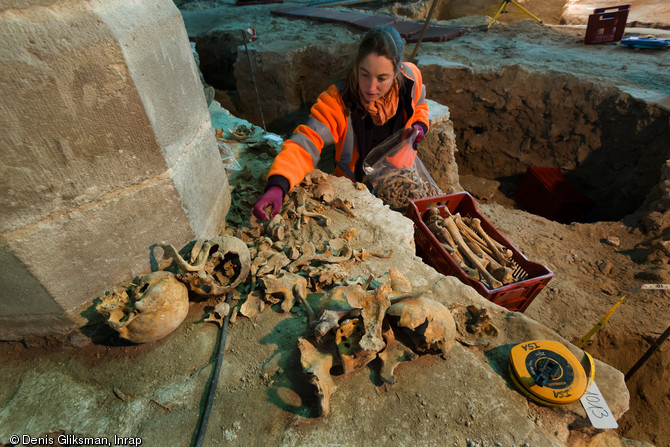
(382, 40)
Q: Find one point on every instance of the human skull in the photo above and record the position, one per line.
(149, 309)
(226, 267)
(428, 323)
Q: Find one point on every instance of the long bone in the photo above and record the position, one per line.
(403, 296)
(470, 233)
(435, 219)
(501, 272)
(465, 228)
(483, 258)
(302, 212)
(445, 238)
(327, 256)
(477, 245)
(488, 245)
(453, 229)
(496, 253)
(481, 233)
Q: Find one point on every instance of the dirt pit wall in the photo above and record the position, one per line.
(288, 79)
(606, 142)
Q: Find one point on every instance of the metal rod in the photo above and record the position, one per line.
(423, 30)
(647, 354)
(211, 392)
(253, 78)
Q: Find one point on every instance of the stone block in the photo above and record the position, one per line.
(80, 255)
(200, 180)
(75, 121)
(108, 149)
(17, 281)
(437, 149)
(151, 37)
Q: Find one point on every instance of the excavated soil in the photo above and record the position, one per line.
(524, 94)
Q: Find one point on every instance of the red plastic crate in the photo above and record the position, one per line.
(516, 296)
(606, 24)
(547, 193)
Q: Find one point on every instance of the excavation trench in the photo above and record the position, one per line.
(607, 143)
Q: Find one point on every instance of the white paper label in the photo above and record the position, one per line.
(597, 409)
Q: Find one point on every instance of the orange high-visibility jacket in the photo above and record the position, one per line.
(329, 124)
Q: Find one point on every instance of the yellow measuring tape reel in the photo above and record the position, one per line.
(548, 373)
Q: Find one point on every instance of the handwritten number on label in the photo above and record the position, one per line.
(592, 399)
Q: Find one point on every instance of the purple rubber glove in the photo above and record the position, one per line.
(274, 196)
(419, 135)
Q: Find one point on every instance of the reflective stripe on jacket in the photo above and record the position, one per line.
(328, 124)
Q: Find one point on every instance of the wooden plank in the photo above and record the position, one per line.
(338, 3)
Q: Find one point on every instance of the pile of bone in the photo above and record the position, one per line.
(283, 265)
(353, 322)
(398, 188)
(352, 326)
(279, 277)
(479, 256)
(156, 304)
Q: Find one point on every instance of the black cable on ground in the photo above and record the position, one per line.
(647, 354)
(211, 392)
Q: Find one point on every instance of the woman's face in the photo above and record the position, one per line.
(375, 76)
